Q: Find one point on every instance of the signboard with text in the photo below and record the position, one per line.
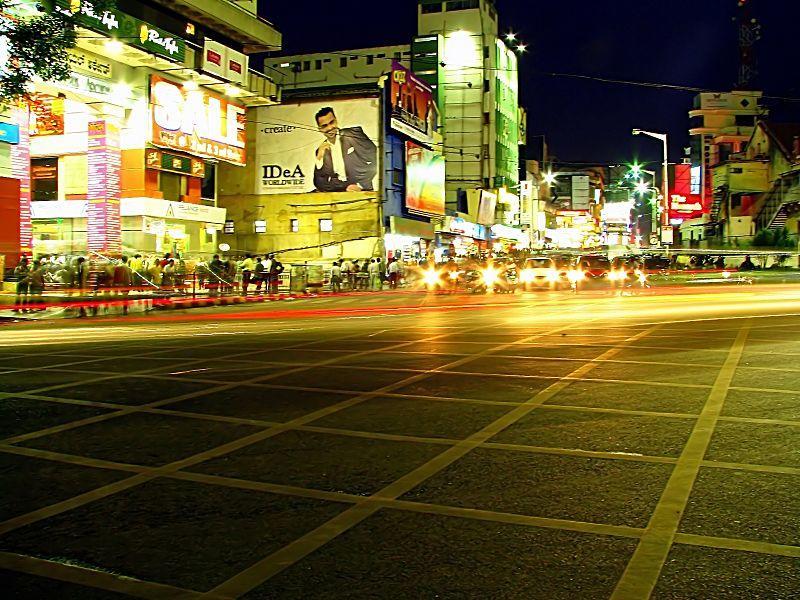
(425, 177)
(197, 122)
(684, 202)
(413, 110)
(103, 230)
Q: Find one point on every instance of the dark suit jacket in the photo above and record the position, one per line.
(360, 163)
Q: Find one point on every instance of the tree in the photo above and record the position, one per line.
(35, 45)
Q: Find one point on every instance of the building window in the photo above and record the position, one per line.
(294, 225)
(229, 227)
(260, 226)
(326, 224)
(381, 55)
(343, 62)
(431, 8)
(318, 64)
(44, 178)
(485, 86)
(370, 59)
(171, 185)
(745, 120)
(306, 65)
(463, 5)
(208, 189)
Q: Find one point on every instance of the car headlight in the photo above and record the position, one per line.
(430, 277)
(453, 275)
(490, 276)
(527, 275)
(552, 275)
(575, 275)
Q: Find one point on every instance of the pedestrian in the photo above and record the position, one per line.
(79, 283)
(374, 270)
(258, 272)
(336, 277)
(35, 280)
(720, 263)
(747, 264)
(362, 277)
(381, 271)
(394, 273)
(247, 265)
(230, 274)
(275, 270)
(21, 275)
(136, 264)
(123, 278)
(216, 271)
(168, 275)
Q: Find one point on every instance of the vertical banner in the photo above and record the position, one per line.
(21, 169)
(103, 228)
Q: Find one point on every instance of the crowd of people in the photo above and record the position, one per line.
(369, 274)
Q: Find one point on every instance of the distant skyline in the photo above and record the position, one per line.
(683, 42)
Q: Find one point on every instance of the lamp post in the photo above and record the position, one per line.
(665, 183)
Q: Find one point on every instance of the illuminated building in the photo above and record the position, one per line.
(122, 156)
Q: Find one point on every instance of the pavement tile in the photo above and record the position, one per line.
(352, 345)
(602, 432)
(457, 347)
(22, 415)
(745, 505)
(561, 487)
(343, 378)
(143, 439)
(685, 342)
(756, 443)
(769, 379)
(261, 403)
(455, 385)
(398, 554)
(776, 345)
(518, 366)
(328, 462)
(400, 360)
(27, 381)
(49, 360)
(233, 372)
(197, 352)
(418, 417)
(672, 355)
(661, 373)
(128, 390)
(554, 351)
(763, 405)
(37, 483)
(130, 365)
(21, 586)
(173, 532)
(726, 574)
(299, 355)
(598, 394)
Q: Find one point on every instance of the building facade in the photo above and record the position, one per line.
(123, 156)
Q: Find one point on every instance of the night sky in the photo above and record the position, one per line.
(680, 42)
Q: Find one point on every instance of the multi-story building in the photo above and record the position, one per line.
(123, 156)
(720, 124)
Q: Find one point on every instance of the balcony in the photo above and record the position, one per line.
(235, 22)
(742, 176)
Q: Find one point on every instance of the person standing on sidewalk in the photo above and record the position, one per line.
(336, 278)
(247, 266)
(275, 270)
(394, 273)
(36, 284)
(258, 273)
(123, 279)
(374, 270)
(21, 272)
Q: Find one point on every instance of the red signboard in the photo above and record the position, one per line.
(683, 205)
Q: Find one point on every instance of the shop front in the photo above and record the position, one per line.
(507, 239)
(457, 237)
(408, 239)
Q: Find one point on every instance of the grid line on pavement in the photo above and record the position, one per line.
(644, 568)
(279, 560)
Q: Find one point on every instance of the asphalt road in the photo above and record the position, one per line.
(408, 446)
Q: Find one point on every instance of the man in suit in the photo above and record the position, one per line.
(347, 161)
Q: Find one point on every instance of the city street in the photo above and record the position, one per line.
(409, 445)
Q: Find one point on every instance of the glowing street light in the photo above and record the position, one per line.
(642, 188)
(549, 178)
(522, 48)
(511, 36)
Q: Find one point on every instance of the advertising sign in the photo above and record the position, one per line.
(413, 110)
(487, 207)
(87, 63)
(683, 203)
(133, 31)
(198, 122)
(103, 231)
(580, 192)
(320, 146)
(47, 115)
(223, 62)
(9, 133)
(425, 174)
(162, 161)
(21, 169)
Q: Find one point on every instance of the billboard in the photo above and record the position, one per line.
(196, 121)
(425, 176)
(413, 109)
(326, 145)
(684, 202)
(487, 207)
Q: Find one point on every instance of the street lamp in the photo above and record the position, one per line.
(665, 182)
